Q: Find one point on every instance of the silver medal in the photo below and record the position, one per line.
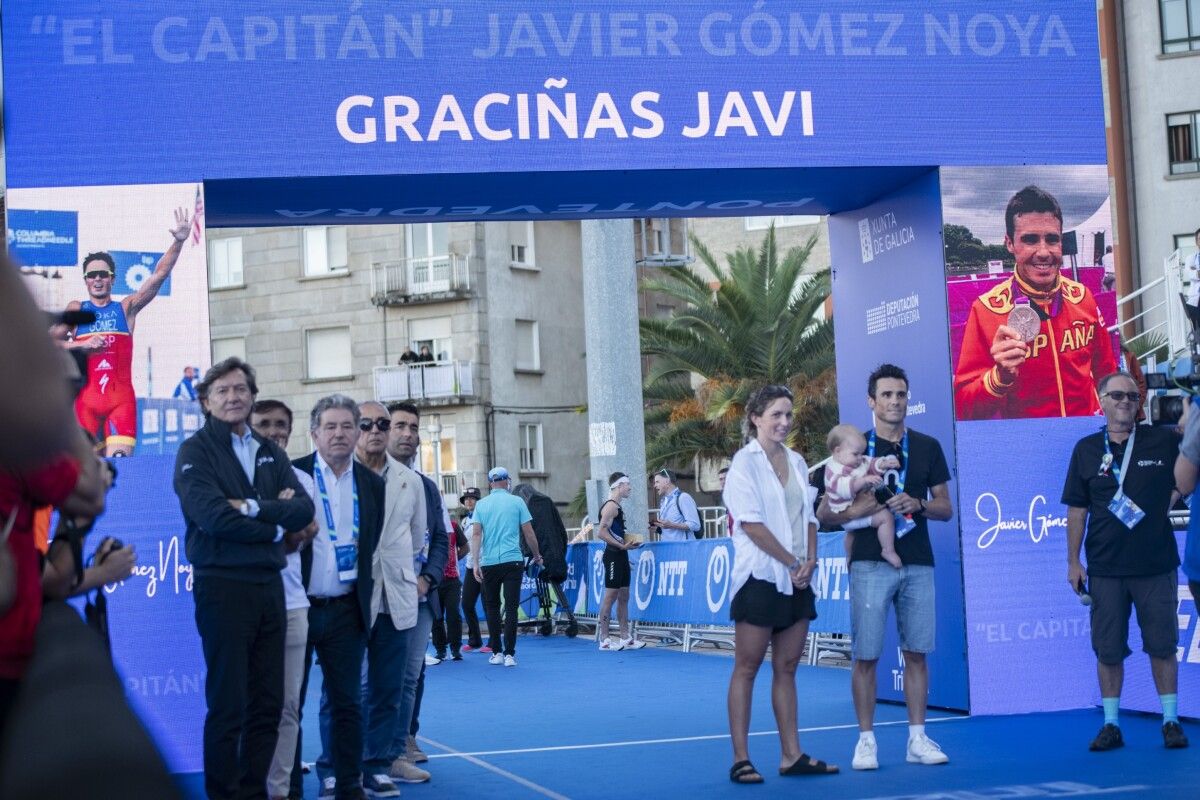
(1025, 321)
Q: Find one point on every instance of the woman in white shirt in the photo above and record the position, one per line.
(775, 552)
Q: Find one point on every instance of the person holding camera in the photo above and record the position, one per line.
(75, 483)
(1119, 490)
(919, 493)
(1187, 466)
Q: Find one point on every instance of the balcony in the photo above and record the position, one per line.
(436, 383)
(453, 484)
(413, 281)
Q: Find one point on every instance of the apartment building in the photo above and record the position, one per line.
(319, 310)
(1160, 52)
(498, 305)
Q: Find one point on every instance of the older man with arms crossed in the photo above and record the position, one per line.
(238, 496)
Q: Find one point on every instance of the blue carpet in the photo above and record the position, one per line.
(571, 722)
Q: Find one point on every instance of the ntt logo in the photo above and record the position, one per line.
(598, 575)
(717, 578)
(645, 581)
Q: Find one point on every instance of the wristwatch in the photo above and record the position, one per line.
(795, 565)
(921, 501)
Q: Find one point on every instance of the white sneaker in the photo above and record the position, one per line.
(611, 644)
(510, 661)
(866, 755)
(632, 644)
(496, 658)
(923, 750)
(432, 661)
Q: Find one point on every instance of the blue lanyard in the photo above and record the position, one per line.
(1112, 464)
(329, 523)
(903, 473)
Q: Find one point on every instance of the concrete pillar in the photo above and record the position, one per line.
(614, 367)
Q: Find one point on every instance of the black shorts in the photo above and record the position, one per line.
(1156, 600)
(616, 568)
(760, 603)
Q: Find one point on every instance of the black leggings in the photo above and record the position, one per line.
(447, 629)
(470, 597)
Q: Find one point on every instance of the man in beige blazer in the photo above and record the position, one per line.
(395, 596)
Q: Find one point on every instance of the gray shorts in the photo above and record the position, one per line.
(875, 586)
(1156, 600)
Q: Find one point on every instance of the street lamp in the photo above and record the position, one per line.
(435, 440)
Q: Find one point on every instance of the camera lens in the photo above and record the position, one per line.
(1166, 409)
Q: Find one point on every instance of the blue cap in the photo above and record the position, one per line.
(497, 474)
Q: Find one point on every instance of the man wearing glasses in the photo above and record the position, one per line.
(1119, 489)
(107, 407)
(678, 518)
(1003, 373)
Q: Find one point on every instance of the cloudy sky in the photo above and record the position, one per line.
(976, 196)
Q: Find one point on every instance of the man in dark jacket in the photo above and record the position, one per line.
(338, 578)
(239, 496)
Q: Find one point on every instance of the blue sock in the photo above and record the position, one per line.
(1170, 704)
(1111, 704)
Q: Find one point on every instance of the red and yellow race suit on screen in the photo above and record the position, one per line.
(107, 407)
(1072, 351)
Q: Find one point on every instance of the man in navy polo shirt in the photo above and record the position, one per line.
(1119, 489)
(499, 521)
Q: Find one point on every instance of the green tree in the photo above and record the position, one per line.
(758, 324)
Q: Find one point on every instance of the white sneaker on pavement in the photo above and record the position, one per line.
(496, 658)
(866, 755)
(510, 661)
(432, 661)
(632, 644)
(611, 645)
(923, 750)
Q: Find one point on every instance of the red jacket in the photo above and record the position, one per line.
(24, 492)
(1072, 352)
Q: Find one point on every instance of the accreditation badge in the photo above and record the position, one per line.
(1126, 510)
(347, 562)
(904, 525)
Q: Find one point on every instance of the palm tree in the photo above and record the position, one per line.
(758, 325)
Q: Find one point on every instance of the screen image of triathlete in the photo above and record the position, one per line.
(107, 405)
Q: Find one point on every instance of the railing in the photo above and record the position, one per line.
(453, 483)
(425, 381)
(1162, 312)
(395, 281)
